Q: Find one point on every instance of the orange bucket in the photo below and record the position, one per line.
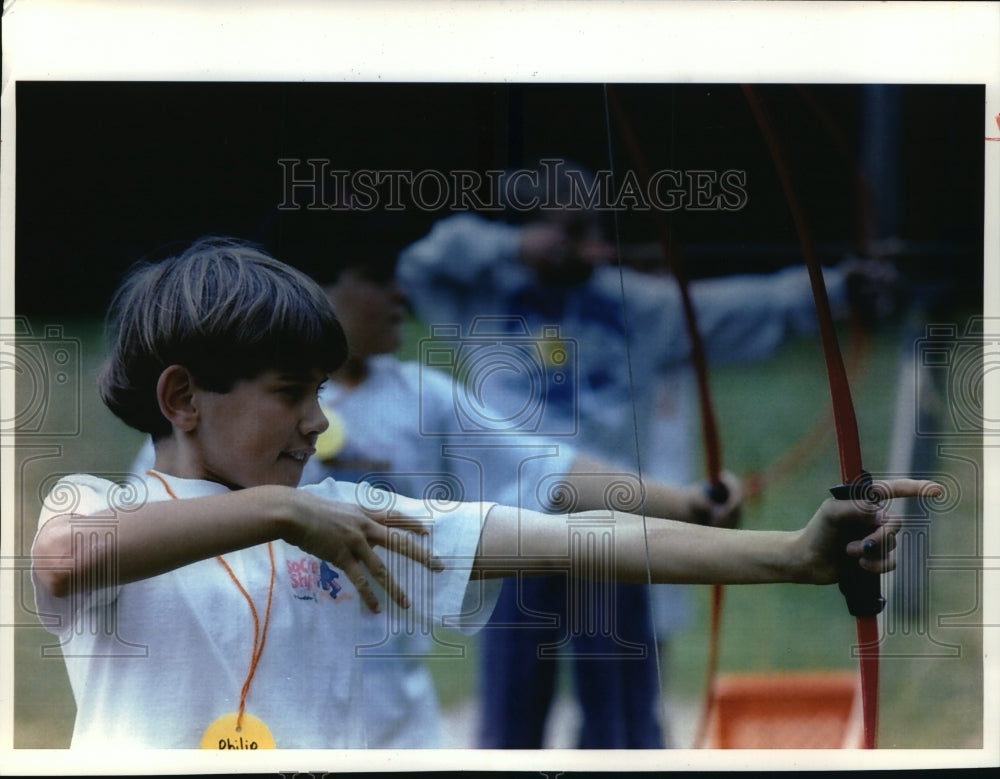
(785, 711)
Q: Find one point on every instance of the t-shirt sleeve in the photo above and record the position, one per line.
(450, 598)
(90, 501)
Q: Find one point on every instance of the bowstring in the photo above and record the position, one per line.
(635, 416)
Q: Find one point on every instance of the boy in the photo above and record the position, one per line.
(243, 590)
(379, 408)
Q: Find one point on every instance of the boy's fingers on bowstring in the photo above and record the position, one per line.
(361, 569)
(363, 557)
(412, 544)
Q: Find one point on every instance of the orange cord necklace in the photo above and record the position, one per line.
(259, 634)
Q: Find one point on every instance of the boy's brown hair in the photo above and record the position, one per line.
(224, 309)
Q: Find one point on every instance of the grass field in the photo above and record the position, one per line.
(932, 675)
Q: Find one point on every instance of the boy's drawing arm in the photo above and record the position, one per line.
(162, 536)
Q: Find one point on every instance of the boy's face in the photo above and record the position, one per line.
(260, 432)
(370, 308)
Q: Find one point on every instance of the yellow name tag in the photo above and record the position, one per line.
(222, 734)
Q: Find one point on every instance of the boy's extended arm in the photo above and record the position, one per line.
(162, 536)
(600, 544)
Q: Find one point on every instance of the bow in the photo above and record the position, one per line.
(860, 589)
(717, 490)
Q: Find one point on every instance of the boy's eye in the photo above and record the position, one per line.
(297, 390)
(293, 390)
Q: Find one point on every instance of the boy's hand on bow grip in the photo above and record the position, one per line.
(824, 554)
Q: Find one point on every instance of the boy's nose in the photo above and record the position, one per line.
(315, 421)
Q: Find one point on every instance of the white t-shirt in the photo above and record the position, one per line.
(153, 663)
(399, 429)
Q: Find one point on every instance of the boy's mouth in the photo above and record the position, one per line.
(300, 455)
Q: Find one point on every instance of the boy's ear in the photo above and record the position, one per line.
(175, 394)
